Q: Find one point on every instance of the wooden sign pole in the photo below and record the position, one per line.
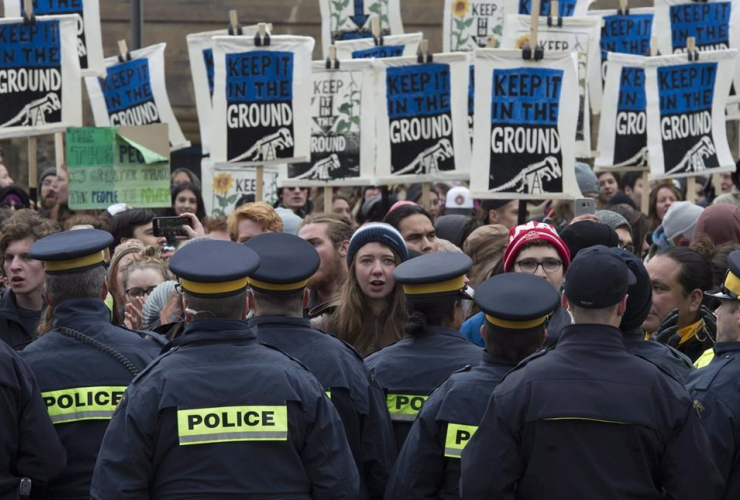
(59, 150)
(328, 199)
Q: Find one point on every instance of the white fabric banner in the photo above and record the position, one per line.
(393, 46)
(524, 145)
(261, 100)
(715, 25)
(351, 19)
(422, 119)
(200, 52)
(567, 8)
(40, 88)
(686, 104)
(89, 42)
(581, 36)
(134, 93)
(623, 124)
(224, 184)
(469, 23)
(342, 128)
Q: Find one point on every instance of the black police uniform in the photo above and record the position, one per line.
(12, 329)
(29, 447)
(429, 463)
(80, 383)
(220, 415)
(588, 419)
(410, 369)
(671, 361)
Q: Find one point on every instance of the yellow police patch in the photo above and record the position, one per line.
(82, 403)
(232, 423)
(458, 436)
(404, 407)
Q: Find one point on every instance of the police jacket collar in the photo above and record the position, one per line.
(443, 330)
(591, 335)
(73, 311)
(721, 348)
(636, 334)
(257, 321)
(210, 331)
(493, 361)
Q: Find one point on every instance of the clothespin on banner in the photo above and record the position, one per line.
(28, 15)
(332, 62)
(234, 27)
(693, 54)
(624, 9)
(377, 34)
(554, 13)
(534, 27)
(123, 53)
(423, 56)
(262, 38)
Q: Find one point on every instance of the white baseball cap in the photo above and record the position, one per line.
(458, 201)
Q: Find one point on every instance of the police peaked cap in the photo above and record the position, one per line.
(214, 268)
(435, 274)
(72, 251)
(730, 289)
(516, 301)
(286, 262)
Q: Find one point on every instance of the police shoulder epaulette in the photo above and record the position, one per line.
(659, 367)
(537, 354)
(152, 364)
(160, 339)
(463, 369)
(347, 345)
(710, 372)
(284, 354)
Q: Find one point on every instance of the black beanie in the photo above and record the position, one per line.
(585, 234)
(640, 294)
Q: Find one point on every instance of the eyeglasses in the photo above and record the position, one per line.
(630, 248)
(530, 266)
(137, 292)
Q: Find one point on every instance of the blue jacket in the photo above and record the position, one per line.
(559, 320)
(589, 419)
(12, 330)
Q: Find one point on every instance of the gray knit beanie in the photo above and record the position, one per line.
(612, 219)
(587, 180)
(154, 304)
(291, 222)
(680, 220)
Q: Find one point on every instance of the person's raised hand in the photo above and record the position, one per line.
(194, 230)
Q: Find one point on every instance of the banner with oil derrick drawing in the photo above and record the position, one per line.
(524, 145)
(40, 88)
(342, 128)
(134, 93)
(579, 35)
(261, 100)
(422, 119)
(352, 19)
(469, 23)
(387, 46)
(89, 41)
(686, 104)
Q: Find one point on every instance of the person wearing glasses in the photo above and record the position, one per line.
(534, 248)
(142, 276)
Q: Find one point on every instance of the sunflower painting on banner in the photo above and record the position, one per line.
(352, 19)
(229, 184)
(469, 23)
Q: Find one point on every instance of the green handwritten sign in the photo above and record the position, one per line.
(106, 168)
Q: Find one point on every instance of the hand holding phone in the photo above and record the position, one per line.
(584, 206)
(170, 227)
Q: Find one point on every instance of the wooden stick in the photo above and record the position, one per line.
(691, 190)
(259, 181)
(690, 44)
(654, 46)
(328, 199)
(717, 182)
(424, 49)
(534, 27)
(122, 48)
(28, 7)
(425, 196)
(33, 170)
(645, 205)
(623, 5)
(59, 149)
(262, 28)
(375, 26)
(554, 12)
(234, 21)
(333, 53)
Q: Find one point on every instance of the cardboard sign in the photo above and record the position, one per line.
(342, 128)
(422, 119)
(567, 8)
(126, 165)
(261, 100)
(89, 43)
(200, 52)
(393, 46)
(524, 145)
(351, 19)
(623, 125)
(40, 89)
(224, 184)
(469, 23)
(715, 25)
(134, 93)
(686, 104)
(579, 35)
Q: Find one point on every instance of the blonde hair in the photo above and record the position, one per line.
(126, 248)
(147, 258)
(259, 212)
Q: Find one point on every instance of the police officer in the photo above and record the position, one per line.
(278, 296)
(588, 419)
(715, 388)
(29, 447)
(219, 415)
(516, 307)
(408, 371)
(84, 363)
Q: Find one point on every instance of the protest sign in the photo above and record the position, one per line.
(89, 43)
(342, 128)
(134, 93)
(110, 165)
(686, 104)
(469, 23)
(40, 90)
(580, 35)
(715, 25)
(200, 52)
(393, 46)
(524, 145)
(567, 8)
(623, 124)
(422, 119)
(261, 100)
(351, 19)
(224, 184)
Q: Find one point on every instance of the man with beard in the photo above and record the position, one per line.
(329, 234)
(47, 195)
